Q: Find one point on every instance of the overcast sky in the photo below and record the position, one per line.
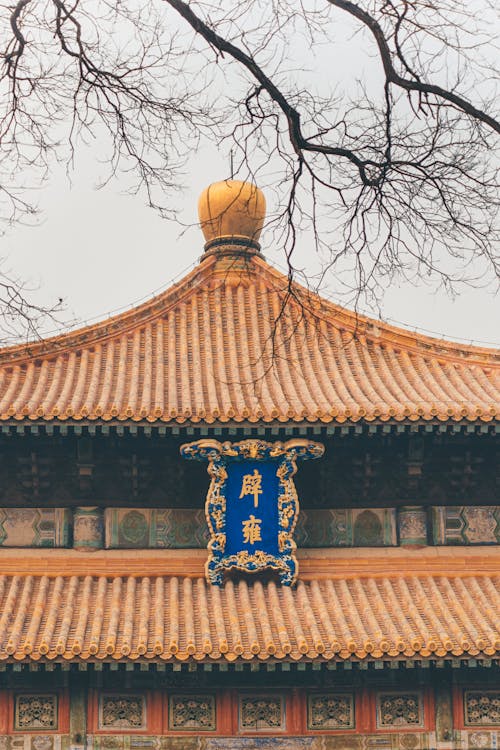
(102, 250)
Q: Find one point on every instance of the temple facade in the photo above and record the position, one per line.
(332, 582)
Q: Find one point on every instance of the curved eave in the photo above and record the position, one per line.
(221, 347)
(161, 427)
(344, 608)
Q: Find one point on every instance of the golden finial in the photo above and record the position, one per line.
(231, 216)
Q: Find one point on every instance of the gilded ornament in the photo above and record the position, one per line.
(252, 510)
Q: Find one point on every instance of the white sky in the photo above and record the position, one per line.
(102, 250)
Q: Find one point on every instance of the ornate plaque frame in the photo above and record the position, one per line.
(285, 456)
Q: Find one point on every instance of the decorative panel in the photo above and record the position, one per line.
(181, 528)
(466, 740)
(88, 528)
(174, 528)
(261, 713)
(482, 707)
(397, 710)
(192, 712)
(150, 527)
(481, 740)
(330, 711)
(36, 741)
(412, 522)
(347, 527)
(35, 711)
(128, 527)
(466, 524)
(266, 743)
(122, 711)
(215, 743)
(34, 527)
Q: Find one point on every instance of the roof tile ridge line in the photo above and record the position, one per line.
(396, 334)
(122, 322)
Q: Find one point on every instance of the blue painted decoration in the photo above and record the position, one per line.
(252, 505)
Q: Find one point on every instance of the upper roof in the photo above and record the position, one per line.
(235, 341)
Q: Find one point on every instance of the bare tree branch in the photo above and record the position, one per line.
(392, 76)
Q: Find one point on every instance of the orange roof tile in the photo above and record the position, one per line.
(230, 344)
(393, 612)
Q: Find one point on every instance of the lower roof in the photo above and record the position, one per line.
(348, 604)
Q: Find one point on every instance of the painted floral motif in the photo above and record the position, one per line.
(42, 742)
(122, 712)
(399, 710)
(34, 527)
(267, 743)
(466, 524)
(481, 739)
(412, 526)
(481, 524)
(330, 711)
(192, 712)
(108, 743)
(134, 527)
(35, 711)
(482, 707)
(263, 712)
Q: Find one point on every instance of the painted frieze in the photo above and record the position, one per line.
(347, 527)
(185, 528)
(252, 504)
(380, 741)
(161, 528)
(37, 741)
(34, 527)
(129, 528)
(466, 524)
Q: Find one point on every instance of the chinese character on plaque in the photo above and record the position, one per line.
(252, 505)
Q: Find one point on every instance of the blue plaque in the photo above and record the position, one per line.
(252, 504)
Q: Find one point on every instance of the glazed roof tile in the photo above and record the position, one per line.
(162, 618)
(234, 342)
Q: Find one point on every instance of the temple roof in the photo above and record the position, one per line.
(352, 609)
(236, 342)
